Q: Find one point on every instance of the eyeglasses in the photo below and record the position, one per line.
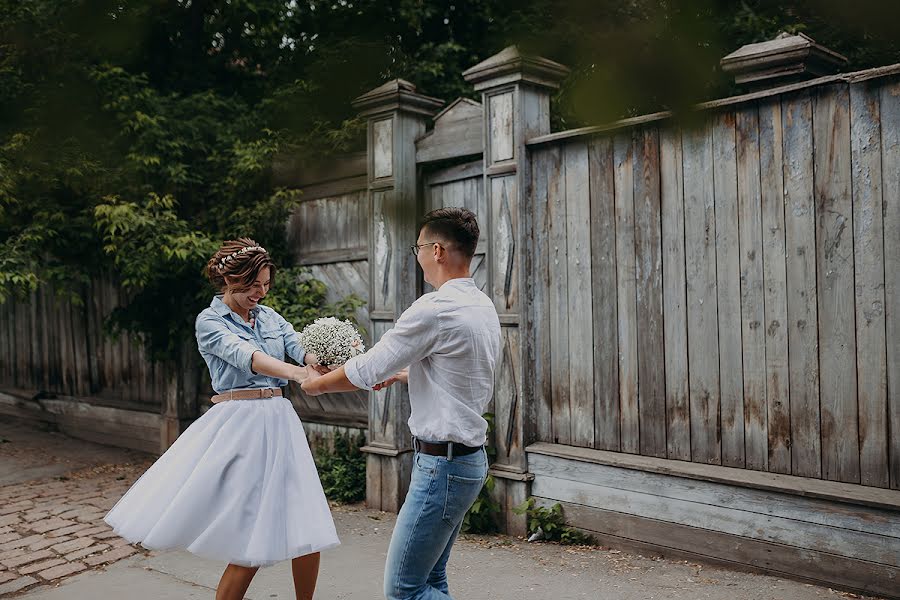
(415, 247)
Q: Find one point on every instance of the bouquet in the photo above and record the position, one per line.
(333, 341)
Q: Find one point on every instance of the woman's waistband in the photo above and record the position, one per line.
(247, 394)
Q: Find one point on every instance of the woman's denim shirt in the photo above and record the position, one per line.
(227, 344)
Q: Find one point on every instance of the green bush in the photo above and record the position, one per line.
(552, 523)
(342, 469)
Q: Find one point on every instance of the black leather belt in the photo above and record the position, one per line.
(448, 449)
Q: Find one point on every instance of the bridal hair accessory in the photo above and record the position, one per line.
(226, 259)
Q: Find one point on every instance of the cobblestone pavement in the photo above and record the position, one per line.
(52, 527)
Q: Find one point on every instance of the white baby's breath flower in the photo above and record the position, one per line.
(333, 341)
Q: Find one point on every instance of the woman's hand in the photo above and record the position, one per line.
(301, 374)
(313, 361)
(401, 376)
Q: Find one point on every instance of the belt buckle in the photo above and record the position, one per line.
(269, 393)
(449, 450)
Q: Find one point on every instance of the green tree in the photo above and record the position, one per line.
(137, 134)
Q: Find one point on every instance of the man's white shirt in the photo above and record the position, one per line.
(450, 340)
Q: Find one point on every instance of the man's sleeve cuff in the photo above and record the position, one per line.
(351, 370)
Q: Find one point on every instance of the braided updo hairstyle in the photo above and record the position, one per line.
(242, 260)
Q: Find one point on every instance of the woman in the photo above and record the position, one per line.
(239, 484)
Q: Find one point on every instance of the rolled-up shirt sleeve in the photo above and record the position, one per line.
(214, 337)
(292, 345)
(414, 336)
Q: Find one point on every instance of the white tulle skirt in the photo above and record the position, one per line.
(239, 485)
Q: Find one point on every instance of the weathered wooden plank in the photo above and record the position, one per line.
(728, 287)
(436, 197)
(700, 260)
(342, 225)
(5, 353)
(890, 177)
(394, 483)
(384, 247)
(9, 320)
(324, 257)
(312, 238)
(727, 519)
(484, 224)
(62, 331)
(331, 189)
(678, 419)
(603, 289)
(771, 165)
(580, 336)
(458, 131)
(558, 308)
(80, 348)
(472, 188)
(482, 213)
(33, 348)
(504, 254)
(360, 207)
(383, 148)
(869, 261)
(539, 409)
(834, 260)
(623, 156)
(501, 125)
(802, 310)
(97, 300)
(469, 170)
(453, 194)
(91, 339)
(516, 494)
(649, 304)
(380, 405)
(373, 482)
(649, 536)
(83, 348)
(508, 401)
(862, 519)
(22, 374)
(753, 338)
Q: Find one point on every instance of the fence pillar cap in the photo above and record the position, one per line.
(510, 65)
(787, 57)
(397, 94)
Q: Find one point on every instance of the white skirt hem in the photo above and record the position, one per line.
(239, 485)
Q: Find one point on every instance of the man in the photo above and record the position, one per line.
(445, 346)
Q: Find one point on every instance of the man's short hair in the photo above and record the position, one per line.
(453, 225)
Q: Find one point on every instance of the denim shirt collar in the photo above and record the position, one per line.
(220, 308)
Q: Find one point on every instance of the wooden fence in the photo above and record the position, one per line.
(57, 362)
(727, 293)
(692, 313)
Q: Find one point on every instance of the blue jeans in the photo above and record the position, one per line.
(441, 491)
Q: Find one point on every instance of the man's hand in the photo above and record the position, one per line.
(401, 376)
(308, 385)
(313, 361)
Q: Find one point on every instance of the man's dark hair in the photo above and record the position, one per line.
(455, 225)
